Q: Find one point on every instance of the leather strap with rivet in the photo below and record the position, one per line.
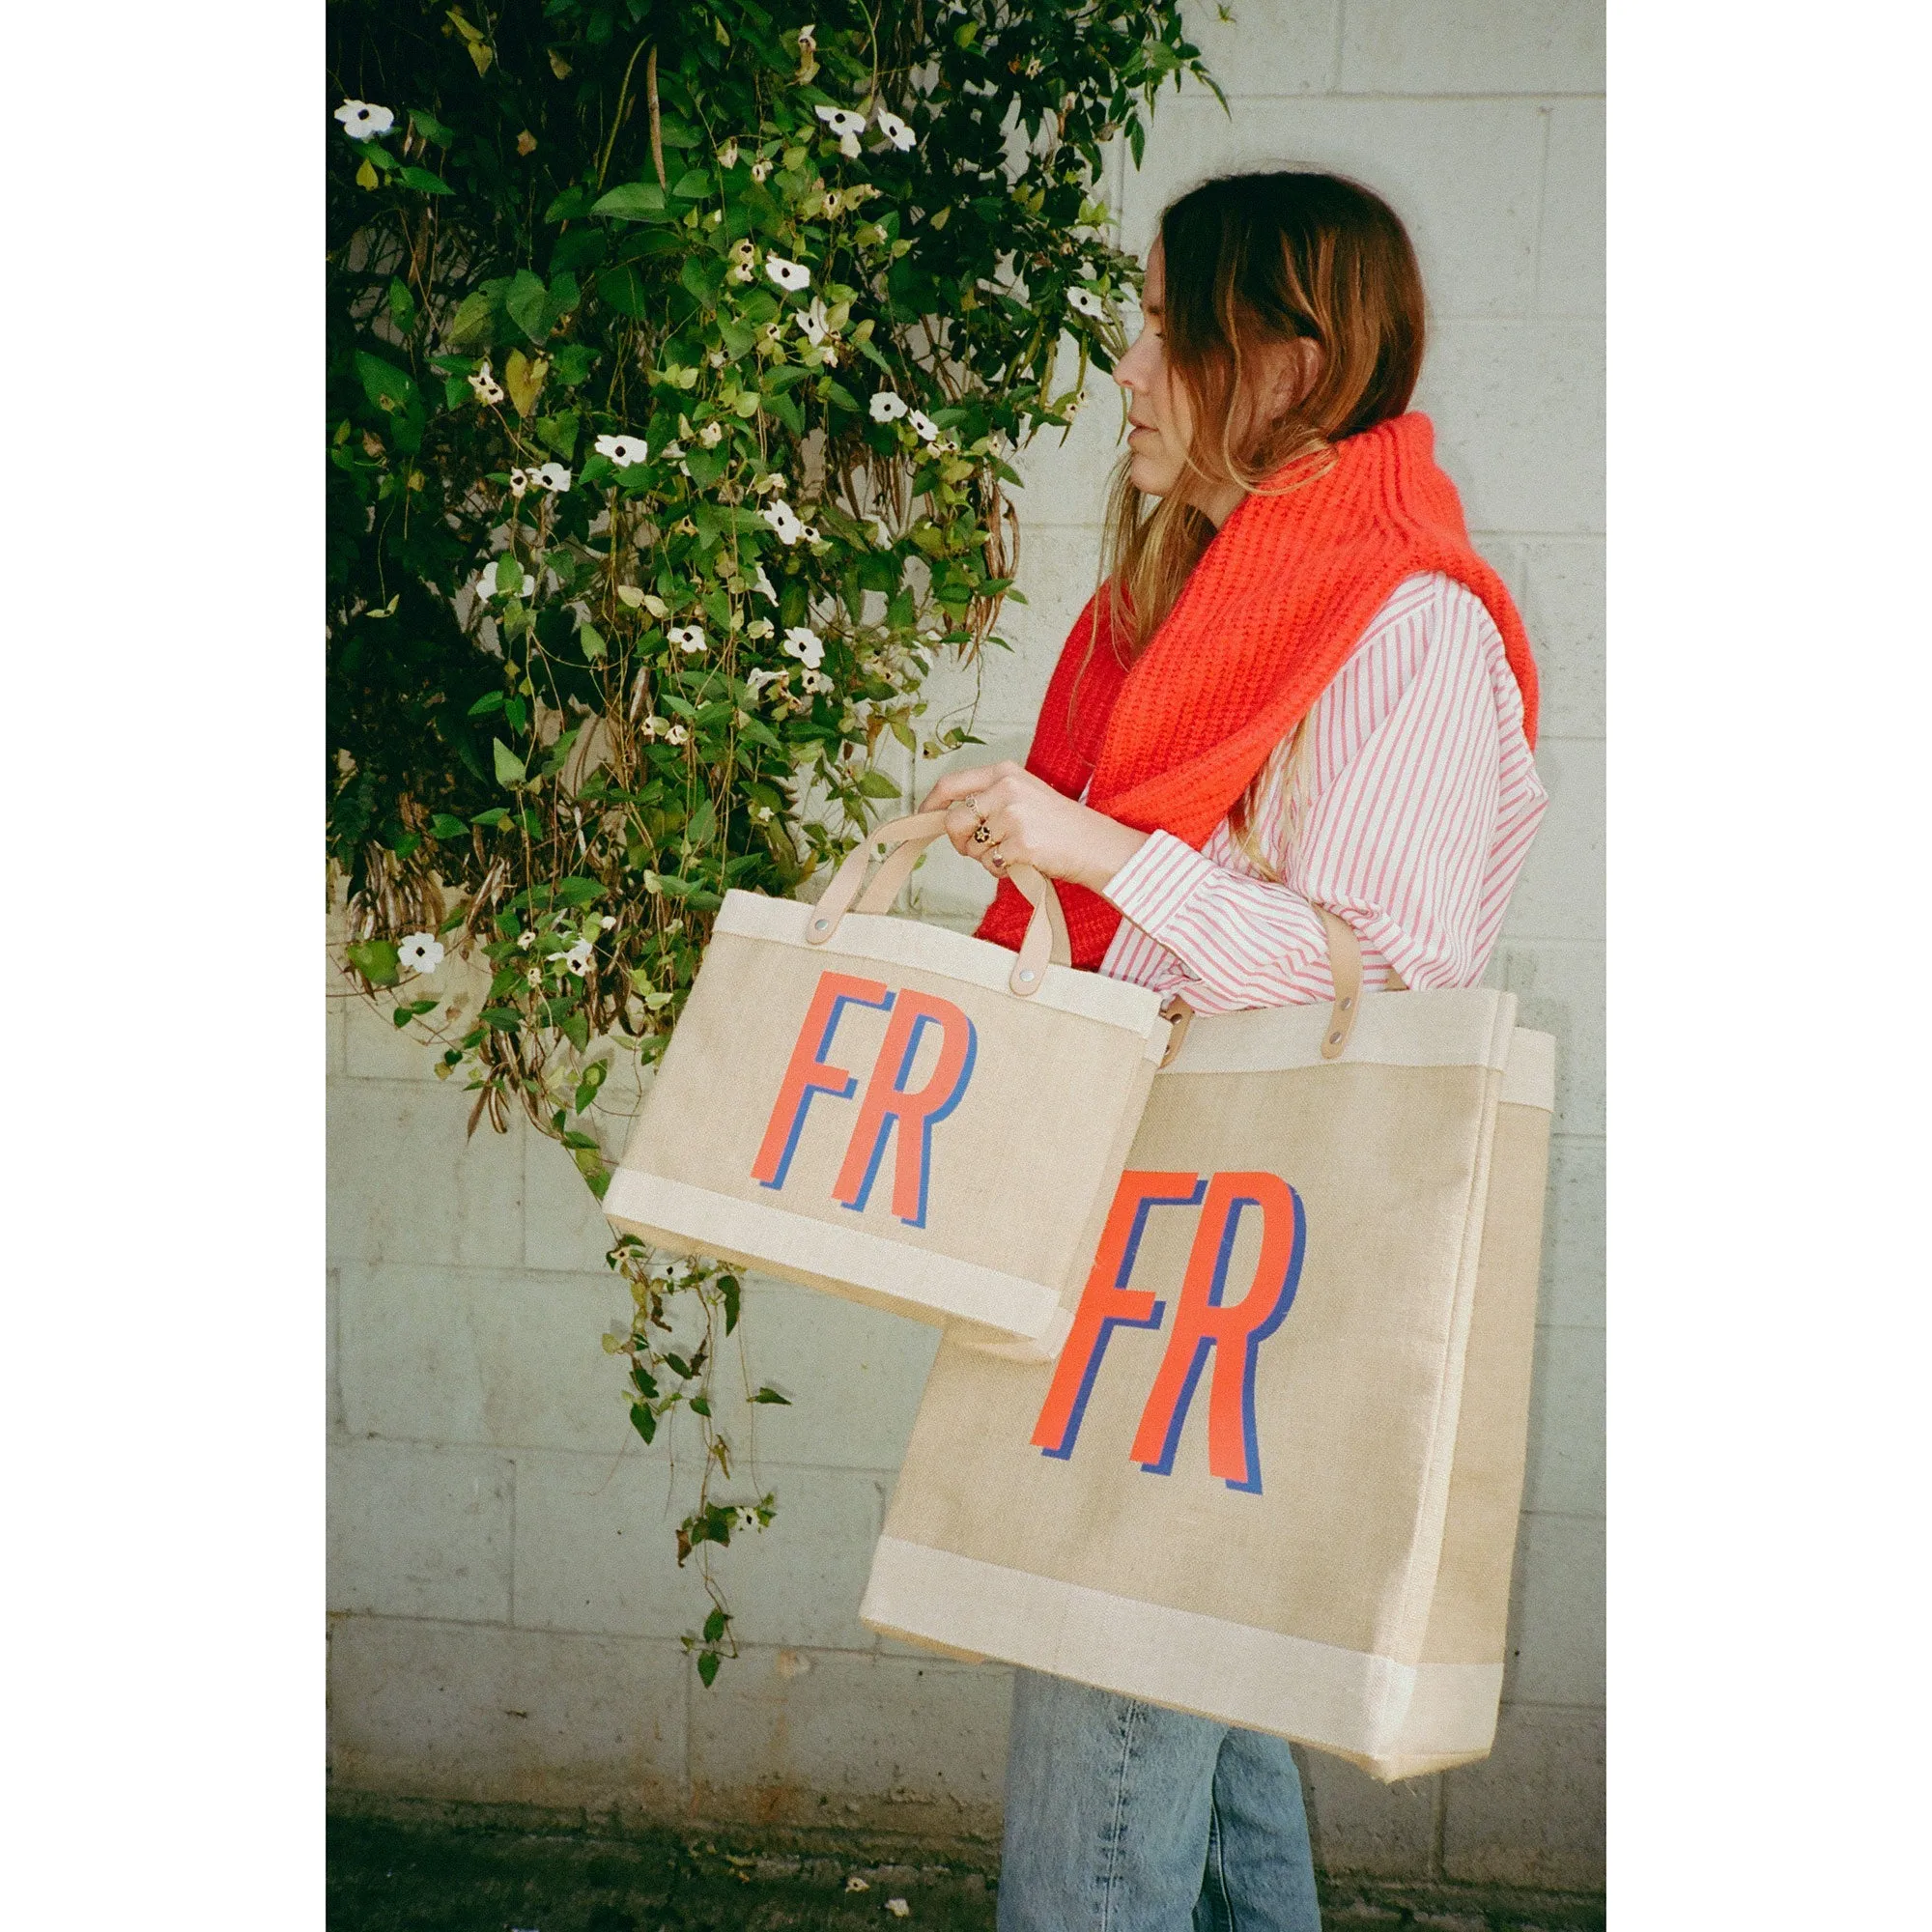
(1345, 967)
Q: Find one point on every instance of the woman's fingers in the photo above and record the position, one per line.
(955, 786)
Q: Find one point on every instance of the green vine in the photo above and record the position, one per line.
(676, 357)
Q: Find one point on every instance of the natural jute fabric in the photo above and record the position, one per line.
(893, 1112)
(1274, 1475)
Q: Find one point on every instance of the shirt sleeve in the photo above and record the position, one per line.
(1397, 839)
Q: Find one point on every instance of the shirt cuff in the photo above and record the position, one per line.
(1157, 882)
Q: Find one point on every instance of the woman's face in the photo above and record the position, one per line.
(1163, 424)
(1158, 405)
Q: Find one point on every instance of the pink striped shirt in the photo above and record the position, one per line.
(1419, 800)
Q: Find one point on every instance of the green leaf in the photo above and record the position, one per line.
(770, 1394)
(632, 201)
(430, 127)
(376, 960)
(525, 302)
(643, 1421)
(492, 701)
(427, 183)
(714, 1625)
(591, 640)
(444, 826)
(412, 1009)
(728, 1287)
(505, 1019)
(703, 826)
(471, 321)
(876, 784)
(788, 413)
(576, 891)
(623, 288)
(509, 767)
(707, 1666)
(491, 818)
(694, 184)
(388, 388)
(559, 433)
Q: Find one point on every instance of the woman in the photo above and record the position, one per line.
(1298, 686)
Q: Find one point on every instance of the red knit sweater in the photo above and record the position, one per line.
(1267, 617)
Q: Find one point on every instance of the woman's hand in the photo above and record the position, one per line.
(1002, 815)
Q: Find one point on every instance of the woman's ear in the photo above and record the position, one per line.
(1297, 369)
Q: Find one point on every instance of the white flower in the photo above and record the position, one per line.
(816, 681)
(944, 445)
(728, 155)
(888, 407)
(671, 450)
(577, 959)
(553, 477)
(623, 450)
(711, 435)
(525, 585)
(738, 272)
(608, 923)
(781, 516)
(363, 120)
(421, 952)
(808, 35)
(812, 323)
(527, 939)
(809, 533)
(756, 680)
(520, 481)
(761, 169)
(926, 426)
(488, 389)
(842, 120)
(894, 129)
(655, 726)
(848, 146)
(764, 584)
(1086, 301)
(804, 644)
(856, 1883)
(787, 274)
(834, 202)
(676, 735)
(898, 1907)
(771, 479)
(743, 253)
(687, 637)
(534, 975)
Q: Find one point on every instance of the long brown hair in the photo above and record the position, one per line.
(1252, 260)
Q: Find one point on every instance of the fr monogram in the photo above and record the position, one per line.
(885, 1103)
(1203, 1326)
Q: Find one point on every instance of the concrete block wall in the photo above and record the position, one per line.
(504, 1607)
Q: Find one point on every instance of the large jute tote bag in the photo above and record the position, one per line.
(892, 1111)
(1273, 1476)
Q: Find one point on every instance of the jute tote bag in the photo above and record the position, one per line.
(1273, 1476)
(890, 1111)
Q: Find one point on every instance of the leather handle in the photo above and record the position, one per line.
(899, 843)
(1345, 964)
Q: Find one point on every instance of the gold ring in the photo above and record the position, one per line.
(980, 835)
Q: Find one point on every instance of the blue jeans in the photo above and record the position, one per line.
(1126, 1817)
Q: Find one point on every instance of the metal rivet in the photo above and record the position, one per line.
(1026, 973)
(1334, 1039)
(1347, 1003)
(818, 925)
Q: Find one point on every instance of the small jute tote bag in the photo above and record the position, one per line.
(890, 1111)
(1274, 1475)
